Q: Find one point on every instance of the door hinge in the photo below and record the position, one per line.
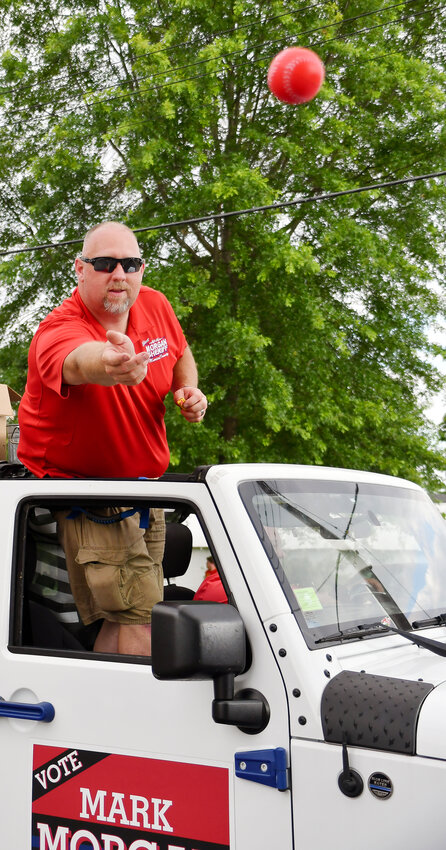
(269, 767)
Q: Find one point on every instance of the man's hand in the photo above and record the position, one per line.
(192, 402)
(106, 363)
(121, 363)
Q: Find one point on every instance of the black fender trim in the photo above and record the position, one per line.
(378, 712)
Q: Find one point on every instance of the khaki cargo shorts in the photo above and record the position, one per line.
(115, 569)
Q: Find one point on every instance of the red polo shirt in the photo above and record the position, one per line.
(92, 431)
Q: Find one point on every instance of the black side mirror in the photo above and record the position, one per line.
(207, 640)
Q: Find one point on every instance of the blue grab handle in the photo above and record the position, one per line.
(43, 711)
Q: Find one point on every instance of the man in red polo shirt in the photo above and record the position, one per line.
(100, 366)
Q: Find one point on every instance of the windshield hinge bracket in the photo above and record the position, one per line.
(269, 767)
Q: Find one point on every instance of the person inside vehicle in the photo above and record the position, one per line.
(211, 588)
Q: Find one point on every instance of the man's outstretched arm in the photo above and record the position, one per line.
(105, 363)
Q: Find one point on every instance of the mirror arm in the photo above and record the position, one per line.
(248, 709)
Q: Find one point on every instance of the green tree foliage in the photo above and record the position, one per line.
(309, 324)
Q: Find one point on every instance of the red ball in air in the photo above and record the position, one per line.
(296, 75)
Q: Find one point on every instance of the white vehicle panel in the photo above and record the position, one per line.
(130, 761)
(119, 713)
(411, 816)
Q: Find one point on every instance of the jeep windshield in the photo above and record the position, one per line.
(351, 554)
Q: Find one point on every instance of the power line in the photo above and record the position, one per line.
(82, 134)
(256, 23)
(240, 65)
(270, 42)
(323, 42)
(136, 124)
(328, 196)
(250, 47)
(237, 28)
(239, 51)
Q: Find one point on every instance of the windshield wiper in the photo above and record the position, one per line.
(355, 632)
(439, 620)
(367, 629)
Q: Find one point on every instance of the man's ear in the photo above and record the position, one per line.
(78, 267)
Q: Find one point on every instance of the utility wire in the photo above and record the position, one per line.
(237, 28)
(207, 40)
(328, 196)
(237, 66)
(20, 87)
(239, 51)
(254, 61)
(136, 125)
(271, 42)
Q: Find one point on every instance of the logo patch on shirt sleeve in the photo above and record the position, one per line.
(156, 348)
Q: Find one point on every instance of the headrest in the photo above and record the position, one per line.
(177, 550)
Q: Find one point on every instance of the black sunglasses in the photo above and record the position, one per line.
(108, 264)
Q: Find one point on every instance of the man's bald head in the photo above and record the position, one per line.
(108, 228)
